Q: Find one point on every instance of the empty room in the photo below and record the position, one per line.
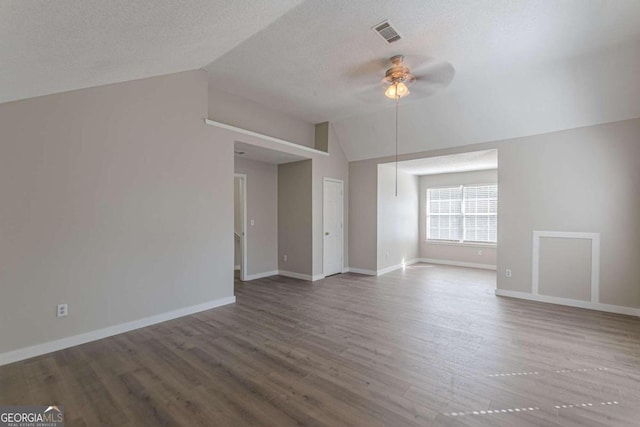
(320, 212)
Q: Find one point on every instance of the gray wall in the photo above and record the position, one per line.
(262, 208)
(398, 221)
(117, 200)
(584, 179)
(363, 207)
(465, 253)
(570, 278)
(247, 114)
(295, 222)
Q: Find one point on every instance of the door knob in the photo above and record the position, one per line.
(326, 234)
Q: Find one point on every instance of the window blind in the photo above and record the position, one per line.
(445, 213)
(463, 213)
(480, 213)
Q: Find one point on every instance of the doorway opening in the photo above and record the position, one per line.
(445, 211)
(265, 211)
(240, 224)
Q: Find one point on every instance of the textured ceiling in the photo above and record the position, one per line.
(308, 61)
(522, 67)
(462, 162)
(54, 46)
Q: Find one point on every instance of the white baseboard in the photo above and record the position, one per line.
(260, 275)
(72, 341)
(383, 271)
(397, 267)
(609, 308)
(458, 264)
(295, 275)
(301, 276)
(388, 269)
(362, 271)
(236, 267)
(413, 261)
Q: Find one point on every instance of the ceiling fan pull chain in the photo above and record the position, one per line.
(397, 147)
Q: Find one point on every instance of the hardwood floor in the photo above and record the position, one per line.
(430, 345)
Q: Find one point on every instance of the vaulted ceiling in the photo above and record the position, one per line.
(55, 46)
(522, 67)
(309, 61)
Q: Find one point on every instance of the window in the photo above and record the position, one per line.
(464, 213)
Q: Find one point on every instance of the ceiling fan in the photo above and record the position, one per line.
(426, 78)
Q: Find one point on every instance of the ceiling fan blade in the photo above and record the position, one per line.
(416, 62)
(374, 94)
(435, 73)
(422, 90)
(362, 75)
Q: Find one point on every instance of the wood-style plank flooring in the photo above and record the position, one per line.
(430, 345)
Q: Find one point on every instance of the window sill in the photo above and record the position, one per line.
(470, 244)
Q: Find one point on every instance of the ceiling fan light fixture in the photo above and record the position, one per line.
(398, 77)
(396, 91)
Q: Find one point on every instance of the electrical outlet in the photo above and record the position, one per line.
(284, 258)
(507, 272)
(480, 252)
(253, 223)
(63, 310)
(386, 254)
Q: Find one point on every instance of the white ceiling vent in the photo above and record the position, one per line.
(387, 32)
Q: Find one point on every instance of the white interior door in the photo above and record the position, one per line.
(333, 226)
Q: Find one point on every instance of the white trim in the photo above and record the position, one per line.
(72, 341)
(295, 275)
(389, 269)
(382, 271)
(362, 271)
(345, 270)
(609, 308)
(263, 136)
(243, 238)
(307, 277)
(397, 267)
(341, 182)
(458, 263)
(595, 259)
(261, 275)
(414, 261)
(236, 267)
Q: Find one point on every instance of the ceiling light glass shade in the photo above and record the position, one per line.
(390, 92)
(397, 91)
(402, 90)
